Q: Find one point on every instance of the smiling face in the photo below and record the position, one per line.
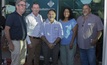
(66, 13)
(20, 7)
(51, 16)
(86, 10)
(35, 9)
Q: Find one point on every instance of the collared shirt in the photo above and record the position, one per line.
(87, 30)
(34, 24)
(68, 33)
(52, 30)
(17, 26)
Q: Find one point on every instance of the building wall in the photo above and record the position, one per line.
(76, 5)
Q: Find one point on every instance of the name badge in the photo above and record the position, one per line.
(55, 28)
(89, 23)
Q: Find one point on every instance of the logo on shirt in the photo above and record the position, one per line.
(55, 28)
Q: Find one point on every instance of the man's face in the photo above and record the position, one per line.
(86, 10)
(51, 16)
(21, 6)
(35, 9)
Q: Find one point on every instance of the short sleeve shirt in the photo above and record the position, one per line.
(67, 29)
(52, 30)
(88, 30)
(17, 24)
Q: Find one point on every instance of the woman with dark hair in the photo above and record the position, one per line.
(68, 42)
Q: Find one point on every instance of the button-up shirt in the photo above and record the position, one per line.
(87, 30)
(34, 24)
(52, 30)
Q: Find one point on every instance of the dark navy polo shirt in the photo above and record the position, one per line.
(17, 24)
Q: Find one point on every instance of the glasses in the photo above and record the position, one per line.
(22, 5)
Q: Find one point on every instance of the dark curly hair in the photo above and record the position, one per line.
(71, 16)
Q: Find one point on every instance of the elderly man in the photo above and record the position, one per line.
(51, 35)
(15, 32)
(89, 32)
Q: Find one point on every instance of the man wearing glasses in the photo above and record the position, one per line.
(15, 32)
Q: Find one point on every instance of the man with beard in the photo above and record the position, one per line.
(89, 32)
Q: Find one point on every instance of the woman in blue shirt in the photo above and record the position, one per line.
(68, 42)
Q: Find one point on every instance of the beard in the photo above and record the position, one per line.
(85, 14)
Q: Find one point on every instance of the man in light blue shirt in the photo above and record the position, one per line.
(51, 35)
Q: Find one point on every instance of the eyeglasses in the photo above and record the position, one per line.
(21, 5)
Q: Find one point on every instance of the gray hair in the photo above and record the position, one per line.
(87, 5)
(18, 1)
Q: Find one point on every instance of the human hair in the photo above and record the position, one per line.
(87, 5)
(52, 10)
(71, 16)
(34, 3)
(17, 1)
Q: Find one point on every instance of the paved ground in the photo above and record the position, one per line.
(6, 54)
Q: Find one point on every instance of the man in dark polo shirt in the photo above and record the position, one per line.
(15, 32)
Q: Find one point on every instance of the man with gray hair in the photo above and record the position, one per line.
(15, 32)
(89, 32)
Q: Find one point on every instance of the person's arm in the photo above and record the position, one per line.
(73, 35)
(43, 36)
(94, 41)
(45, 40)
(28, 41)
(7, 34)
(27, 38)
(57, 40)
(50, 45)
(99, 27)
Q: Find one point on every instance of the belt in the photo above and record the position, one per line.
(34, 37)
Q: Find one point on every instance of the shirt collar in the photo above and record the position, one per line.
(17, 13)
(87, 15)
(47, 20)
(34, 15)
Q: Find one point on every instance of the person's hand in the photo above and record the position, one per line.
(51, 46)
(71, 45)
(11, 46)
(93, 42)
(29, 45)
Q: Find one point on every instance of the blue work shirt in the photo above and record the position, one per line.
(17, 24)
(88, 30)
(67, 29)
(52, 30)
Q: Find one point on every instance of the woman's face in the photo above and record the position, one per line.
(66, 13)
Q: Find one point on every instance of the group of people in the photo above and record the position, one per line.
(32, 34)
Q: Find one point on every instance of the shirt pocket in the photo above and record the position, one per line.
(56, 30)
(91, 26)
(33, 24)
